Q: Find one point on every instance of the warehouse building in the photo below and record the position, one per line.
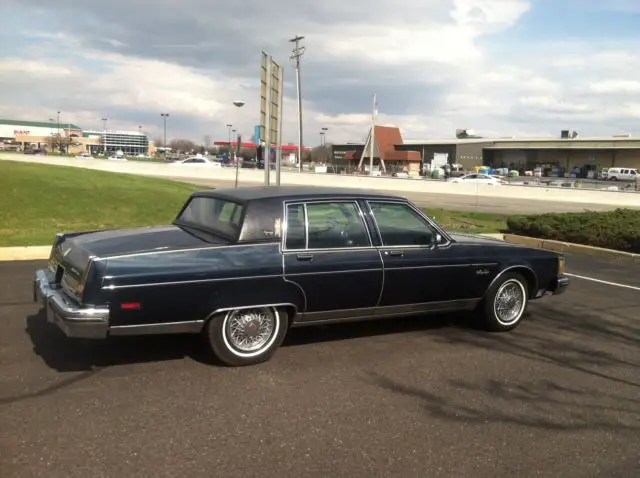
(566, 154)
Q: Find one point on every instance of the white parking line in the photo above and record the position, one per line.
(606, 282)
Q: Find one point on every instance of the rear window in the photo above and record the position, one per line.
(213, 214)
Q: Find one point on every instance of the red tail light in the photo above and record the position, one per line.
(131, 306)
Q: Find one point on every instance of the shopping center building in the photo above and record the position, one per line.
(21, 135)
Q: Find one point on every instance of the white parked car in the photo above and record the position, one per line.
(478, 178)
(622, 174)
(200, 161)
(117, 158)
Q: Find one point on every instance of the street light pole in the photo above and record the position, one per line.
(59, 143)
(229, 126)
(298, 51)
(237, 104)
(104, 135)
(164, 117)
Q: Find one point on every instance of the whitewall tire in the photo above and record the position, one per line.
(247, 336)
(505, 303)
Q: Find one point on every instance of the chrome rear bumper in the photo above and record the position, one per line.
(74, 320)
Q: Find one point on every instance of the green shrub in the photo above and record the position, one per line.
(618, 229)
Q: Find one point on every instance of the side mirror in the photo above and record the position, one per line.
(435, 240)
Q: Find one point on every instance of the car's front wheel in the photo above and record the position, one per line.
(247, 336)
(505, 303)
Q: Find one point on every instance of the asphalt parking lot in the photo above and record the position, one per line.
(560, 396)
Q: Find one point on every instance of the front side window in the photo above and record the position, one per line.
(401, 225)
(330, 226)
(213, 214)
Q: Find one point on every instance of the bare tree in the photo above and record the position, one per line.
(59, 143)
(321, 154)
(182, 145)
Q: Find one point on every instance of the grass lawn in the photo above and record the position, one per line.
(37, 200)
(469, 222)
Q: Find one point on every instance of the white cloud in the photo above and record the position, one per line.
(431, 63)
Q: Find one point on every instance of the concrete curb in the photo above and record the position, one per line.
(25, 253)
(558, 246)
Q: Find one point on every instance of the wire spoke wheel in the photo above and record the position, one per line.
(510, 301)
(250, 332)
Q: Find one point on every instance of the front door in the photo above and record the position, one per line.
(328, 253)
(422, 269)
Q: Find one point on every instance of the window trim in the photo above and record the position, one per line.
(304, 203)
(447, 239)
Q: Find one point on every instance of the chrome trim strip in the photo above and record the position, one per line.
(364, 223)
(510, 268)
(188, 327)
(375, 224)
(383, 278)
(194, 281)
(417, 210)
(304, 203)
(386, 312)
(337, 249)
(347, 271)
(191, 249)
(256, 306)
(284, 275)
(306, 226)
(439, 266)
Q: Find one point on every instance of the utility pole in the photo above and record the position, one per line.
(229, 126)
(372, 137)
(298, 51)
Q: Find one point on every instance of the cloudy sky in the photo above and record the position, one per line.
(501, 67)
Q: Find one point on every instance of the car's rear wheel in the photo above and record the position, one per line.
(505, 303)
(247, 336)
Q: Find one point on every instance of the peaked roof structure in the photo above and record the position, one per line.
(385, 140)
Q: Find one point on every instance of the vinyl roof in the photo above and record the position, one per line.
(251, 193)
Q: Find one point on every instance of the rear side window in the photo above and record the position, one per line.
(325, 225)
(295, 235)
(213, 214)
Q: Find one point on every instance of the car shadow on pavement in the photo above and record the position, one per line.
(584, 375)
(371, 328)
(80, 355)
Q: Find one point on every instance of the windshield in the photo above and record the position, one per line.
(218, 216)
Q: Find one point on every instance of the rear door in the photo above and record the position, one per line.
(329, 254)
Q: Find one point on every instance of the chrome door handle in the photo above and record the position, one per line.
(394, 253)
